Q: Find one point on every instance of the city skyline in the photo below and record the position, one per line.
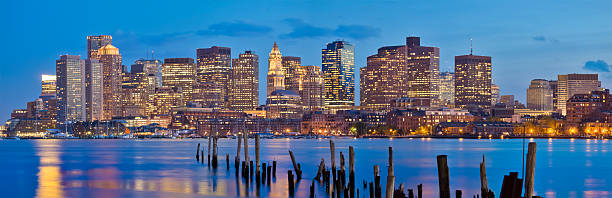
(538, 52)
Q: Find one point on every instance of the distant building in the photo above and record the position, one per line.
(180, 73)
(96, 42)
(553, 86)
(540, 95)
(94, 90)
(138, 88)
(338, 67)
(290, 65)
(166, 99)
(70, 71)
(571, 84)
(383, 79)
(48, 85)
(508, 100)
(276, 75)
(579, 106)
(151, 67)
(473, 81)
(310, 87)
(284, 104)
(447, 89)
(244, 94)
(111, 80)
(494, 94)
(214, 66)
(423, 71)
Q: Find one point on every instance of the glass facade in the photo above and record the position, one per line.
(338, 67)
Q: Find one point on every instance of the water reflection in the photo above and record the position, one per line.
(49, 173)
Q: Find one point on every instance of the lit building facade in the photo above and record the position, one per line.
(70, 72)
(540, 95)
(166, 99)
(447, 89)
(151, 67)
(423, 70)
(111, 81)
(180, 73)
(284, 104)
(494, 94)
(214, 66)
(579, 106)
(310, 87)
(137, 89)
(48, 85)
(382, 80)
(96, 42)
(290, 66)
(94, 89)
(571, 84)
(245, 82)
(276, 75)
(473, 81)
(338, 67)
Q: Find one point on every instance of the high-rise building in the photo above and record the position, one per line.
(284, 104)
(48, 85)
(423, 70)
(473, 81)
(214, 66)
(276, 75)
(290, 66)
(540, 95)
(571, 84)
(94, 89)
(96, 42)
(151, 67)
(70, 72)
(180, 73)
(494, 94)
(111, 80)
(137, 89)
(553, 87)
(311, 87)
(508, 100)
(447, 89)
(245, 82)
(338, 67)
(382, 80)
(165, 99)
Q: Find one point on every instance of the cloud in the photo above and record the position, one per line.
(234, 29)
(598, 66)
(544, 39)
(302, 29)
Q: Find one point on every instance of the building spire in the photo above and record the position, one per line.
(471, 46)
(275, 47)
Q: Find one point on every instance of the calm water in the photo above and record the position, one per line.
(167, 168)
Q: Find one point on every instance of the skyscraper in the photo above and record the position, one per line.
(338, 67)
(540, 95)
(571, 84)
(276, 75)
(180, 73)
(94, 89)
(111, 80)
(423, 70)
(494, 94)
(48, 83)
(245, 82)
(310, 87)
(153, 67)
(290, 66)
(382, 80)
(473, 81)
(447, 89)
(70, 72)
(137, 90)
(214, 66)
(96, 42)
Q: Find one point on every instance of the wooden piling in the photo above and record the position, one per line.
(296, 168)
(320, 170)
(274, 169)
(458, 194)
(202, 159)
(390, 176)
(251, 169)
(420, 190)
(209, 144)
(227, 160)
(258, 168)
(342, 161)
(410, 193)
(237, 160)
(371, 190)
(530, 169)
(214, 156)
(263, 173)
(198, 153)
(352, 172)
(312, 188)
(377, 189)
(246, 146)
(484, 189)
(443, 179)
(269, 174)
(290, 182)
(332, 149)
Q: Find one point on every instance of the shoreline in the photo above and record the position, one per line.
(328, 137)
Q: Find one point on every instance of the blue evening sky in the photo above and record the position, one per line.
(527, 39)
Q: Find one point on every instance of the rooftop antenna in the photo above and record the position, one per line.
(471, 46)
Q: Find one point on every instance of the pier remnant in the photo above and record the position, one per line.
(443, 179)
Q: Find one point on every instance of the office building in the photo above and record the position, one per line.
(96, 42)
(423, 71)
(494, 94)
(245, 82)
(94, 90)
(214, 65)
(540, 95)
(276, 75)
(382, 80)
(290, 66)
(48, 83)
(311, 87)
(283, 104)
(180, 73)
(571, 84)
(151, 67)
(447, 89)
(473, 81)
(70, 72)
(338, 67)
(111, 81)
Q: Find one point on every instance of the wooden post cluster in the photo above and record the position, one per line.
(512, 186)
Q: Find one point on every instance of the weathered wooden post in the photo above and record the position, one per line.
(237, 160)
(321, 169)
(274, 169)
(209, 144)
(246, 146)
(298, 172)
(290, 182)
(484, 189)
(352, 172)
(251, 170)
(420, 190)
(263, 173)
(227, 160)
(458, 194)
(378, 192)
(258, 168)
(214, 157)
(530, 170)
(269, 174)
(198, 153)
(371, 190)
(390, 176)
(312, 188)
(443, 179)
(332, 149)
(202, 159)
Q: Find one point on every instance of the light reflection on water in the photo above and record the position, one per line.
(120, 168)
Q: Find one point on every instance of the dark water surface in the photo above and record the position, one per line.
(167, 168)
